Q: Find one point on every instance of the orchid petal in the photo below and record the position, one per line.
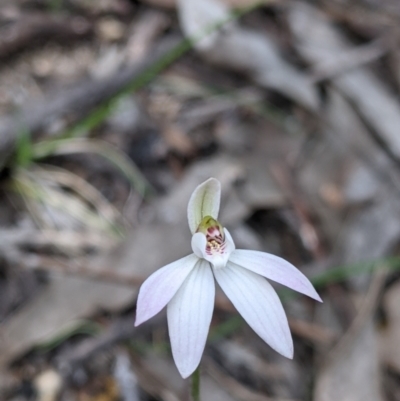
(189, 317)
(276, 269)
(199, 243)
(230, 245)
(204, 202)
(258, 303)
(161, 286)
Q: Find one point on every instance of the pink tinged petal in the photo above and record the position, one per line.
(276, 269)
(189, 317)
(258, 303)
(204, 202)
(161, 286)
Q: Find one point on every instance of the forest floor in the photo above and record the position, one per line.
(109, 118)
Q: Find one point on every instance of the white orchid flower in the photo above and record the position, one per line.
(187, 285)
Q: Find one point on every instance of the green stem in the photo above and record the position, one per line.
(196, 385)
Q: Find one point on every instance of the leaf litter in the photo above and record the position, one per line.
(293, 107)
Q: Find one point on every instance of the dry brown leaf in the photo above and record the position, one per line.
(354, 375)
(318, 41)
(243, 50)
(370, 163)
(351, 371)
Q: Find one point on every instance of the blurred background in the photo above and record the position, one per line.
(110, 117)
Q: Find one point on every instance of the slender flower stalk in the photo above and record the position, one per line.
(187, 286)
(195, 388)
